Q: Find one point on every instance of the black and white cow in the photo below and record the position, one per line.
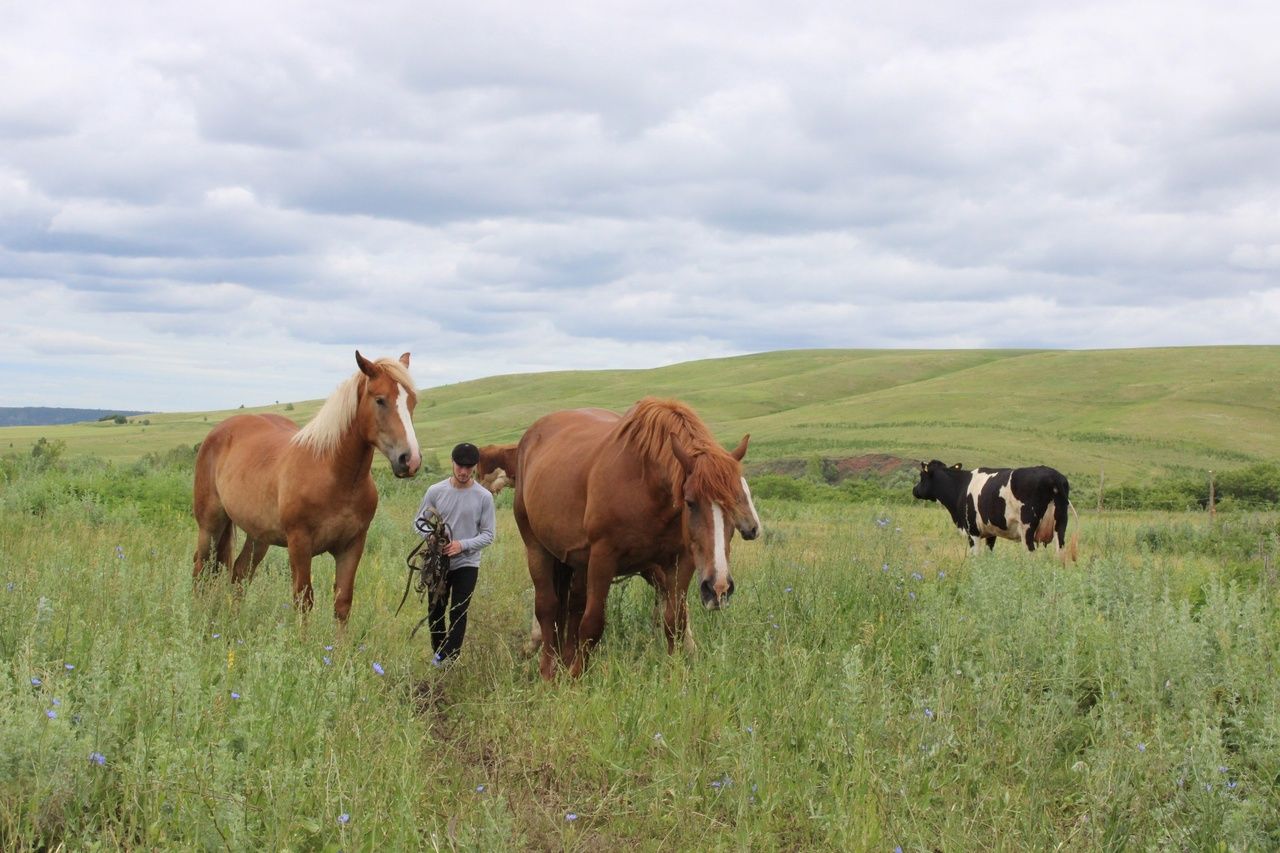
(1024, 504)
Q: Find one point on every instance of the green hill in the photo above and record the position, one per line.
(1133, 412)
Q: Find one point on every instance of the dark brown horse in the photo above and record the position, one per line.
(601, 495)
(308, 490)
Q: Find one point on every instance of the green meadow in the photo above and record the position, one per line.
(870, 686)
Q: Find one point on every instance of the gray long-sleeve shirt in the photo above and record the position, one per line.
(469, 514)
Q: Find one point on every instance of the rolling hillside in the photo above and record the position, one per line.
(1132, 412)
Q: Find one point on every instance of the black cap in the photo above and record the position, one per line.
(466, 454)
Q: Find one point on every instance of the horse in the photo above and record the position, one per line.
(601, 495)
(308, 490)
(497, 467)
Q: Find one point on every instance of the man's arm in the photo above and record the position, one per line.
(427, 506)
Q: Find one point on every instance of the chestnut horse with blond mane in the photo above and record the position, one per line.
(600, 495)
(307, 490)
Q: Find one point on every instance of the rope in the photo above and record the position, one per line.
(429, 563)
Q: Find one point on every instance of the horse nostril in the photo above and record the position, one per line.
(403, 459)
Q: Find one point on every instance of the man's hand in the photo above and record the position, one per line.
(453, 549)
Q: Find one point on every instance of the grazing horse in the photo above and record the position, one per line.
(601, 495)
(497, 467)
(308, 490)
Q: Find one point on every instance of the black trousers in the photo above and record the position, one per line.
(460, 583)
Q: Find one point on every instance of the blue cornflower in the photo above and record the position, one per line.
(326, 660)
(913, 595)
(941, 575)
(68, 666)
(571, 816)
(1232, 784)
(657, 736)
(35, 682)
(750, 730)
(928, 713)
(9, 586)
(377, 667)
(216, 636)
(916, 576)
(51, 714)
(328, 648)
(98, 758)
(882, 522)
(1142, 747)
(885, 567)
(57, 703)
(344, 818)
(1222, 769)
(897, 848)
(479, 789)
(235, 695)
(788, 589)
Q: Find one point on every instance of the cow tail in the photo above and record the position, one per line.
(1072, 552)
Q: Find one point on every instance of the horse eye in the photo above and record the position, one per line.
(381, 401)
(691, 504)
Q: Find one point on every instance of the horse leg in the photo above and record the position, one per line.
(247, 562)
(344, 576)
(300, 566)
(677, 621)
(545, 604)
(573, 615)
(602, 566)
(209, 531)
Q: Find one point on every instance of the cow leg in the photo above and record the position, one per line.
(991, 543)
(973, 543)
(1029, 538)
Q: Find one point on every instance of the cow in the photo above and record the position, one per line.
(1028, 505)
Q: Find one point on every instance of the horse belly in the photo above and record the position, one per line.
(249, 493)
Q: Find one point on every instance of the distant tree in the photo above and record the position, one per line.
(120, 419)
(288, 407)
(146, 421)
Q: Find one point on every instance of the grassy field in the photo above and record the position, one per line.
(1132, 413)
(868, 688)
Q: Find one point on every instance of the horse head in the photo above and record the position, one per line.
(717, 501)
(385, 412)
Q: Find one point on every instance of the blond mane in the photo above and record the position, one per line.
(326, 429)
(647, 429)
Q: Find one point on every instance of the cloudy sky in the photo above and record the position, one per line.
(200, 209)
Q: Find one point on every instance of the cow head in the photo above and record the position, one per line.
(935, 481)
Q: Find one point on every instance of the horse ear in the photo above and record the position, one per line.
(366, 366)
(686, 461)
(741, 450)
(404, 359)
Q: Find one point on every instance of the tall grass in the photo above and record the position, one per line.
(869, 687)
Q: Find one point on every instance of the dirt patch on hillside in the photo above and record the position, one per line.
(877, 465)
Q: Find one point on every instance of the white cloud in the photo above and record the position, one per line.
(217, 207)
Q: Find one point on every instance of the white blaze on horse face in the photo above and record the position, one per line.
(721, 556)
(751, 505)
(406, 420)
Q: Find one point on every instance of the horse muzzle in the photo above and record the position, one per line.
(710, 599)
(405, 465)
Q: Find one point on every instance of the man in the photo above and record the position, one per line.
(467, 507)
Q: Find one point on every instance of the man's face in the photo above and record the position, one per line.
(462, 473)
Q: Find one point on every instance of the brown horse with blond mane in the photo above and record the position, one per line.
(307, 490)
(600, 495)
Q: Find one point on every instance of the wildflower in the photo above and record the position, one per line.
(344, 818)
(377, 667)
(51, 714)
(897, 848)
(775, 626)
(882, 522)
(216, 636)
(788, 589)
(1232, 784)
(1222, 769)
(928, 713)
(328, 648)
(326, 660)
(98, 758)
(913, 595)
(571, 816)
(885, 567)
(750, 730)
(916, 576)
(941, 575)
(235, 695)
(1142, 747)
(479, 789)
(657, 736)
(57, 703)
(120, 552)
(9, 586)
(231, 659)
(35, 682)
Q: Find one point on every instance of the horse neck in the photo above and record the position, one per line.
(352, 457)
